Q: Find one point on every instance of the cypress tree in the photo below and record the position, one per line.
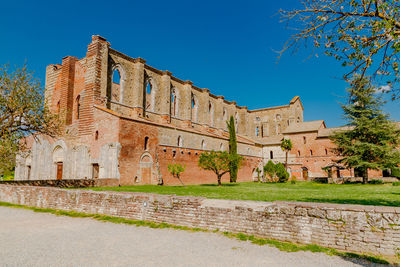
(372, 140)
(234, 165)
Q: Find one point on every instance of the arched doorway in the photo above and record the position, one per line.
(305, 173)
(146, 167)
(58, 159)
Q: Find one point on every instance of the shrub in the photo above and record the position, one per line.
(281, 173)
(376, 181)
(396, 183)
(293, 179)
(396, 172)
(176, 170)
(270, 169)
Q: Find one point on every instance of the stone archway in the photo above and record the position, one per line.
(146, 168)
(58, 160)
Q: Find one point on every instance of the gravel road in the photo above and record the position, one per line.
(39, 239)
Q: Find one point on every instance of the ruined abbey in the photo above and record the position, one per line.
(127, 120)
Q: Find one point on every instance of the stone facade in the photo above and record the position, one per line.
(362, 229)
(127, 120)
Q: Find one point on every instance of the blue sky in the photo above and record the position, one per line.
(226, 46)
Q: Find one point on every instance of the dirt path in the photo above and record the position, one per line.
(38, 239)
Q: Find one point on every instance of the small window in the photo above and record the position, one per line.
(203, 145)
(58, 107)
(96, 135)
(326, 151)
(304, 140)
(78, 106)
(257, 131)
(221, 147)
(258, 119)
(146, 143)
(271, 154)
(180, 141)
(311, 153)
(298, 153)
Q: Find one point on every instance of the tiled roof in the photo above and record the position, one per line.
(306, 126)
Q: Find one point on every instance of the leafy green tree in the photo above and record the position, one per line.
(361, 34)
(281, 173)
(270, 169)
(22, 112)
(176, 169)
(286, 146)
(372, 140)
(218, 161)
(234, 165)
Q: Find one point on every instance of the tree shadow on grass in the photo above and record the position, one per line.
(370, 202)
(223, 185)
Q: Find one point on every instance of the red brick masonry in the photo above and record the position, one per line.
(363, 229)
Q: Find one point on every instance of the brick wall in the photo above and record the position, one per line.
(363, 229)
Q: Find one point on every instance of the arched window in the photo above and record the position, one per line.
(203, 144)
(225, 117)
(262, 130)
(304, 140)
(180, 141)
(118, 81)
(311, 153)
(146, 143)
(58, 107)
(248, 151)
(278, 117)
(96, 135)
(149, 95)
(211, 113)
(278, 128)
(194, 108)
(257, 131)
(298, 119)
(271, 155)
(174, 102)
(221, 147)
(326, 151)
(78, 106)
(298, 153)
(258, 119)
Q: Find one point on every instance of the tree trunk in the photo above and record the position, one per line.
(286, 161)
(180, 180)
(219, 180)
(365, 176)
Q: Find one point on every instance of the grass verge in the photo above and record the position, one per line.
(283, 246)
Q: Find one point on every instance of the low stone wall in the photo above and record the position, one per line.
(363, 229)
(70, 183)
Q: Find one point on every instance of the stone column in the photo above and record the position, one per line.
(186, 103)
(138, 86)
(165, 96)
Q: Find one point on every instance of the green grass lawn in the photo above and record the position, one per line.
(380, 195)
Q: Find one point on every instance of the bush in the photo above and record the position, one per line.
(281, 173)
(396, 183)
(270, 169)
(376, 181)
(396, 172)
(293, 179)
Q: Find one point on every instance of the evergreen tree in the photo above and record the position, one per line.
(234, 165)
(372, 140)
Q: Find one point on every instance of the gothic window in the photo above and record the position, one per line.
(271, 155)
(78, 106)
(174, 102)
(257, 131)
(203, 144)
(180, 141)
(194, 108)
(118, 80)
(146, 143)
(211, 113)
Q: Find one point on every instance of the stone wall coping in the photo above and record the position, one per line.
(233, 204)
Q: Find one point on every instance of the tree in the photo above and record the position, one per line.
(218, 161)
(281, 173)
(234, 165)
(176, 170)
(286, 146)
(270, 169)
(361, 34)
(372, 140)
(22, 112)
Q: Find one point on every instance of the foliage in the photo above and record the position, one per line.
(258, 174)
(396, 172)
(218, 161)
(361, 34)
(293, 179)
(363, 194)
(176, 170)
(286, 146)
(376, 181)
(396, 183)
(270, 169)
(234, 165)
(22, 112)
(281, 173)
(372, 139)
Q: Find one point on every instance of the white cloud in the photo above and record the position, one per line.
(384, 89)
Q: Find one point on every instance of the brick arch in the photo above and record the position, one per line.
(122, 77)
(150, 100)
(146, 168)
